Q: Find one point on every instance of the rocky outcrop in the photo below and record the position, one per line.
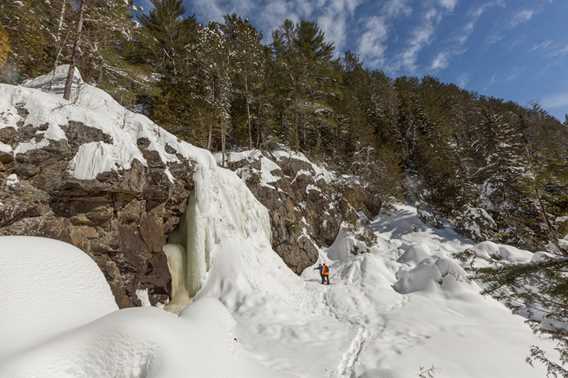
(307, 203)
(97, 176)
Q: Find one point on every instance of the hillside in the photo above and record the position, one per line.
(398, 298)
(172, 185)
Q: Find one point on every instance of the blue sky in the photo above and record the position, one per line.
(512, 49)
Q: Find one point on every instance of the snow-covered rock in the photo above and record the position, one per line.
(494, 252)
(92, 173)
(307, 201)
(429, 274)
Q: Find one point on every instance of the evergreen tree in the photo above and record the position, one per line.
(540, 291)
(247, 68)
(309, 82)
(29, 25)
(4, 46)
(165, 36)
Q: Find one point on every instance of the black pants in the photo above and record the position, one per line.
(325, 279)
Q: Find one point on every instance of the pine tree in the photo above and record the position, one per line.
(165, 36)
(4, 46)
(539, 290)
(247, 65)
(29, 25)
(217, 60)
(76, 49)
(309, 82)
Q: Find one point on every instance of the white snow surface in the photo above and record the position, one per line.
(94, 108)
(12, 181)
(489, 251)
(48, 287)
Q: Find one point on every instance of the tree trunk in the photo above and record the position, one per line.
(222, 142)
(259, 127)
(75, 56)
(248, 112)
(210, 136)
(58, 45)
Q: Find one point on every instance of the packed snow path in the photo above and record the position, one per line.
(361, 326)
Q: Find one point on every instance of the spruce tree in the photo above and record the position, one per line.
(4, 46)
(247, 66)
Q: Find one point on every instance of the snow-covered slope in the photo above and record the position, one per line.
(95, 108)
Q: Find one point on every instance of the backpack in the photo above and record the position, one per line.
(325, 270)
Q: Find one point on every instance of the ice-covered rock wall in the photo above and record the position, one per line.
(224, 228)
(94, 174)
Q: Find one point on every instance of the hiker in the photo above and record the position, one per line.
(324, 273)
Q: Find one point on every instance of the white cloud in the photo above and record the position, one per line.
(449, 4)
(522, 16)
(458, 42)
(333, 16)
(441, 61)
(544, 45)
(372, 44)
(421, 37)
(266, 14)
(396, 8)
(335, 19)
(555, 101)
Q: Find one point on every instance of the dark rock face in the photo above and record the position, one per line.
(121, 219)
(306, 210)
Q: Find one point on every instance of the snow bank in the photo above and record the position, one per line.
(141, 342)
(430, 274)
(61, 321)
(55, 81)
(49, 287)
(345, 245)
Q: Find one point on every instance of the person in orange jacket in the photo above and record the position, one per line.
(324, 273)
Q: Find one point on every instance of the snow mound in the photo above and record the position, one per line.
(61, 321)
(55, 81)
(346, 245)
(430, 274)
(51, 287)
(491, 251)
(140, 342)
(413, 253)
